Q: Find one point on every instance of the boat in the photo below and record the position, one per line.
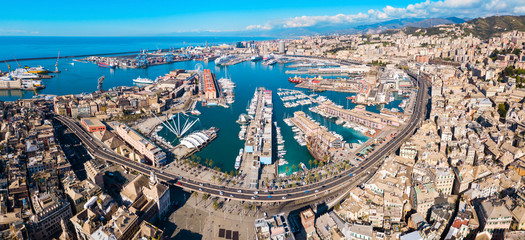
(143, 80)
(238, 159)
(224, 59)
(303, 167)
(37, 70)
(270, 62)
(256, 58)
(282, 162)
(106, 65)
(195, 112)
(21, 73)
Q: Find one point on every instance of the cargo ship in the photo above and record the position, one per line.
(105, 65)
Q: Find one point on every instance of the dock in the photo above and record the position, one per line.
(258, 147)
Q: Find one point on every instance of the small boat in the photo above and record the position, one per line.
(195, 112)
(303, 167)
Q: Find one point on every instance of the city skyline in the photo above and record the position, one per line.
(166, 18)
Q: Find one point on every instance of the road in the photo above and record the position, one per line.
(345, 179)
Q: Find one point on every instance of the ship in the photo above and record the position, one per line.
(268, 57)
(37, 70)
(21, 73)
(106, 65)
(238, 159)
(270, 62)
(256, 58)
(224, 59)
(143, 80)
(295, 80)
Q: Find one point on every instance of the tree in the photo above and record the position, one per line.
(215, 205)
(502, 110)
(293, 167)
(287, 169)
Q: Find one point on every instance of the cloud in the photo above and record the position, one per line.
(426, 9)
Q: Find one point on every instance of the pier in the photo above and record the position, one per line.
(258, 147)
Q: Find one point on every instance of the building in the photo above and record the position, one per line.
(494, 215)
(141, 144)
(273, 228)
(423, 198)
(148, 231)
(308, 222)
(93, 124)
(281, 46)
(49, 211)
(444, 180)
(360, 115)
(210, 89)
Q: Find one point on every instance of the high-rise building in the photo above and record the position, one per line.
(281, 46)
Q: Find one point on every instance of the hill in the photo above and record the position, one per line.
(491, 26)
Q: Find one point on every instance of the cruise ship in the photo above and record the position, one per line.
(21, 73)
(224, 59)
(143, 80)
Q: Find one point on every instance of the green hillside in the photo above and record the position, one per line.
(491, 26)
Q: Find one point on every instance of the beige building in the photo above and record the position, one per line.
(141, 144)
(494, 215)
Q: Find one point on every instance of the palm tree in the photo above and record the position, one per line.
(287, 169)
(195, 195)
(215, 205)
(293, 167)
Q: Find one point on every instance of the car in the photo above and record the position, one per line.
(200, 184)
(221, 193)
(221, 187)
(253, 198)
(239, 191)
(306, 191)
(316, 191)
(161, 171)
(350, 174)
(178, 183)
(256, 192)
(269, 196)
(200, 189)
(231, 195)
(284, 197)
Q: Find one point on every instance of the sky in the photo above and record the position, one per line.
(161, 17)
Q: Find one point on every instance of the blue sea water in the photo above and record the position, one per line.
(31, 47)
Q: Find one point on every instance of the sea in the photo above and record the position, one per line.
(79, 77)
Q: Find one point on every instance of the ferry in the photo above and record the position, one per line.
(143, 80)
(106, 65)
(37, 70)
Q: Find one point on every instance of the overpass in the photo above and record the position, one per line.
(351, 177)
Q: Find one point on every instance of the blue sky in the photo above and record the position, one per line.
(131, 17)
